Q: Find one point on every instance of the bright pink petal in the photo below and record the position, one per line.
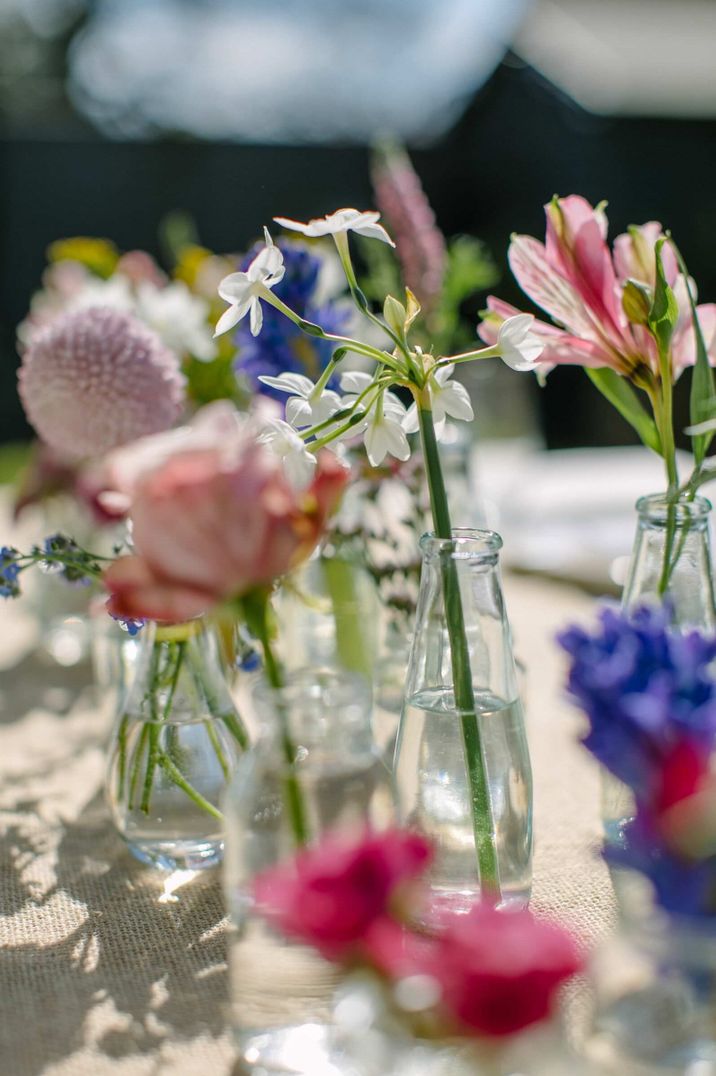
(546, 287)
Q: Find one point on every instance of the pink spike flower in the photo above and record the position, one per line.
(581, 285)
(98, 378)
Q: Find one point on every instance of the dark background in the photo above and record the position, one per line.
(519, 142)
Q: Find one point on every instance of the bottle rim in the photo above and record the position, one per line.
(655, 507)
(466, 543)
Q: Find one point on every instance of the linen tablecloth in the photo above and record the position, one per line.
(104, 969)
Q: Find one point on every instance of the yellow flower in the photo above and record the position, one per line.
(100, 256)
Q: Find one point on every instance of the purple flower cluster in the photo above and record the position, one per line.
(9, 572)
(281, 346)
(650, 697)
(643, 689)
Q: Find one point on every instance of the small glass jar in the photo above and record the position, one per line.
(281, 991)
(670, 564)
(464, 771)
(656, 999)
(176, 744)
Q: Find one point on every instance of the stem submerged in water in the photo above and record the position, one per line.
(482, 824)
(256, 611)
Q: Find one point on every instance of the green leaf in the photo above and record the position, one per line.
(621, 395)
(664, 312)
(703, 388)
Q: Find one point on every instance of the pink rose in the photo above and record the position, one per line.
(335, 895)
(499, 971)
(215, 520)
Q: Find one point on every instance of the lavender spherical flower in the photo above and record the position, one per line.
(643, 689)
(97, 378)
(281, 346)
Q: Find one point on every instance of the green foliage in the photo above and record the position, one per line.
(215, 380)
(664, 313)
(621, 395)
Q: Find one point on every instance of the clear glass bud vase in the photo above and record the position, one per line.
(176, 744)
(670, 565)
(671, 562)
(281, 990)
(446, 754)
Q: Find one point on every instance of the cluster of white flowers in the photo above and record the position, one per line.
(316, 414)
(176, 315)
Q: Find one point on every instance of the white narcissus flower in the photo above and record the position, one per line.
(449, 398)
(343, 220)
(519, 347)
(303, 409)
(242, 290)
(382, 427)
(298, 463)
(178, 316)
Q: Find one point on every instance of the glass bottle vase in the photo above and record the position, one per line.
(670, 564)
(655, 987)
(176, 744)
(464, 771)
(281, 991)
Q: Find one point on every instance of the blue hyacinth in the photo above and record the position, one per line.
(643, 688)
(281, 346)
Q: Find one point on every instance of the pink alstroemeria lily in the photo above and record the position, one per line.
(575, 279)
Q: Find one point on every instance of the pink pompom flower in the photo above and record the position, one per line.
(97, 378)
(335, 895)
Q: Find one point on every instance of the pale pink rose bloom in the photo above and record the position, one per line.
(212, 523)
(575, 279)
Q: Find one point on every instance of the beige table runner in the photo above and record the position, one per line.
(104, 972)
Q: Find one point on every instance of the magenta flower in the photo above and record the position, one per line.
(575, 279)
(499, 971)
(333, 895)
(97, 378)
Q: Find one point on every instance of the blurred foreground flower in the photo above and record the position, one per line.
(487, 974)
(331, 896)
(96, 379)
(643, 689)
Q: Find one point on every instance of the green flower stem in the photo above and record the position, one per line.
(122, 740)
(175, 774)
(662, 404)
(344, 253)
(233, 723)
(311, 329)
(256, 611)
(352, 643)
(137, 764)
(153, 754)
(218, 750)
(460, 656)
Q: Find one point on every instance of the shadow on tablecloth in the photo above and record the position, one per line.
(93, 959)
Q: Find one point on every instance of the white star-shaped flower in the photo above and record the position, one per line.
(304, 408)
(298, 463)
(343, 220)
(449, 398)
(382, 426)
(178, 316)
(519, 346)
(243, 290)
